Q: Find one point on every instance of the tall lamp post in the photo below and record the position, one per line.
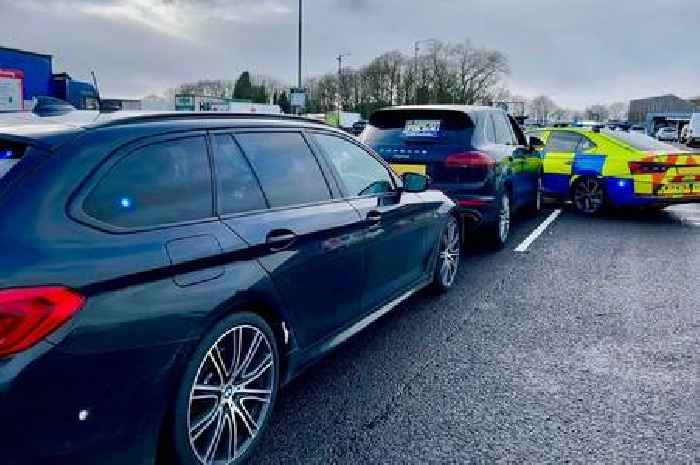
(300, 30)
(340, 76)
(416, 49)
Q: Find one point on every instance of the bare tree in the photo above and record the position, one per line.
(541, 108)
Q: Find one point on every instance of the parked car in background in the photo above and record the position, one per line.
(170, 272)
(478, 156)
(639, 129)
(358, 127)
(693, 139)
(667, 133)
(595, 169)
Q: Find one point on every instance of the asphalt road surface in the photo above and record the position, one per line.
(581, 349)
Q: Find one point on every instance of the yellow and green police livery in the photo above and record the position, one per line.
(595, 167)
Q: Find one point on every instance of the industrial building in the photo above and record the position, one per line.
(26, 75)
(664, 110)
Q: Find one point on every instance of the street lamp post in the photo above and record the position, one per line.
(416, 49)
(340, 80)
(300, 38)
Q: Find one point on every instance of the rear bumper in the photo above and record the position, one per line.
(634, 193)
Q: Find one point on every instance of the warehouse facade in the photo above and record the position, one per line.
(26, 75)
(664, 110)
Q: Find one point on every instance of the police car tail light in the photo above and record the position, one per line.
(28, 315)
(641, 167)
(472, 159)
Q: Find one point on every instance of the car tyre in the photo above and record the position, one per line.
(448, 255)
(588, 195)
(227, 393)
(497, 232)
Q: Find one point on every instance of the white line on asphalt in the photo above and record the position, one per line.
(537, 232)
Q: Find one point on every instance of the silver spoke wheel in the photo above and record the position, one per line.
(449, 253)
(588, 196)
(231, 395)
(504, 219)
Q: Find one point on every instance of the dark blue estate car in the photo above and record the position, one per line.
(478, 156)
(161, 276)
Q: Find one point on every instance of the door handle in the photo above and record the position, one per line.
(280, 239)
(374, 217)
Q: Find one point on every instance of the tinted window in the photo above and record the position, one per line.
(562, 142)
(585, 144)
(359, 172)
(387, 127)
(286, 168)
(239, 190)
(504, 134)
(163, 183)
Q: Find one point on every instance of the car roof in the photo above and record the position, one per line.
(460, 108)
(51, 131)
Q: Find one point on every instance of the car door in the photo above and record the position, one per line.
(558, 159)
(512, 157)
(530, 168)
(303, 235)
(396, 223)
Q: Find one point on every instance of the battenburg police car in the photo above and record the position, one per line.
(598, 167)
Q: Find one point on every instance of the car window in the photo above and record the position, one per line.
(504, 134)
(287, 169)
(585, 144)
(163, 183)
(562, 142)
(360, 173)
(239, 190)
(489, 131)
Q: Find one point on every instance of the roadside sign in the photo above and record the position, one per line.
(298, 97)
(11, 96)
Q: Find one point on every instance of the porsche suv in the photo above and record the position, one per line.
(162, 276)
(476, 155)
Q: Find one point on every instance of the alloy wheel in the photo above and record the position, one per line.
(588, 196)
(449, 254)
(504, 219)
(231, 395)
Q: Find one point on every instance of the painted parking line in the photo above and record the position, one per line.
(537, 232)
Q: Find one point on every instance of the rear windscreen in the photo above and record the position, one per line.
(640, 141)
(396, 127)
(10, 154)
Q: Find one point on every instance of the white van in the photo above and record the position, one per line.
(694, 130)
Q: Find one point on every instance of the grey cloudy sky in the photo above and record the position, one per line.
(578, 52)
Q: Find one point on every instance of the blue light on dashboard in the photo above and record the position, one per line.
(125, 202)
(5, 154)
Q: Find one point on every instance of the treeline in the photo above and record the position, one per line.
(440, 73)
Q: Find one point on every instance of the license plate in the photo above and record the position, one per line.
(401, 169)
(679, 189)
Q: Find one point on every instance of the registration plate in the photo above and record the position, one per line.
(403, 168)
(679, 189)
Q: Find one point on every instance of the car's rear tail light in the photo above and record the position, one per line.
(642, 167)
(469, 160)
(28, 315)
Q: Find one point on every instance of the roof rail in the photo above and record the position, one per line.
(132, 118)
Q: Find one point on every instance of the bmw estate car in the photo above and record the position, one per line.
(597, 168)
(162, 276)
(478, 156)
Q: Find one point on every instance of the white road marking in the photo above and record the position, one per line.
(537, 232)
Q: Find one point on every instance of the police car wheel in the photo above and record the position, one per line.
(588, 195)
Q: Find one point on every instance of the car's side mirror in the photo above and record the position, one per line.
(535, 143)
(414, 182)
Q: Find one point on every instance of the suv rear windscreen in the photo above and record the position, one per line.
(396, 127)
(10, 154)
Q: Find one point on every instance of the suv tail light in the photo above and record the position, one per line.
(28, 315)
(469, 160)
(641, 167)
